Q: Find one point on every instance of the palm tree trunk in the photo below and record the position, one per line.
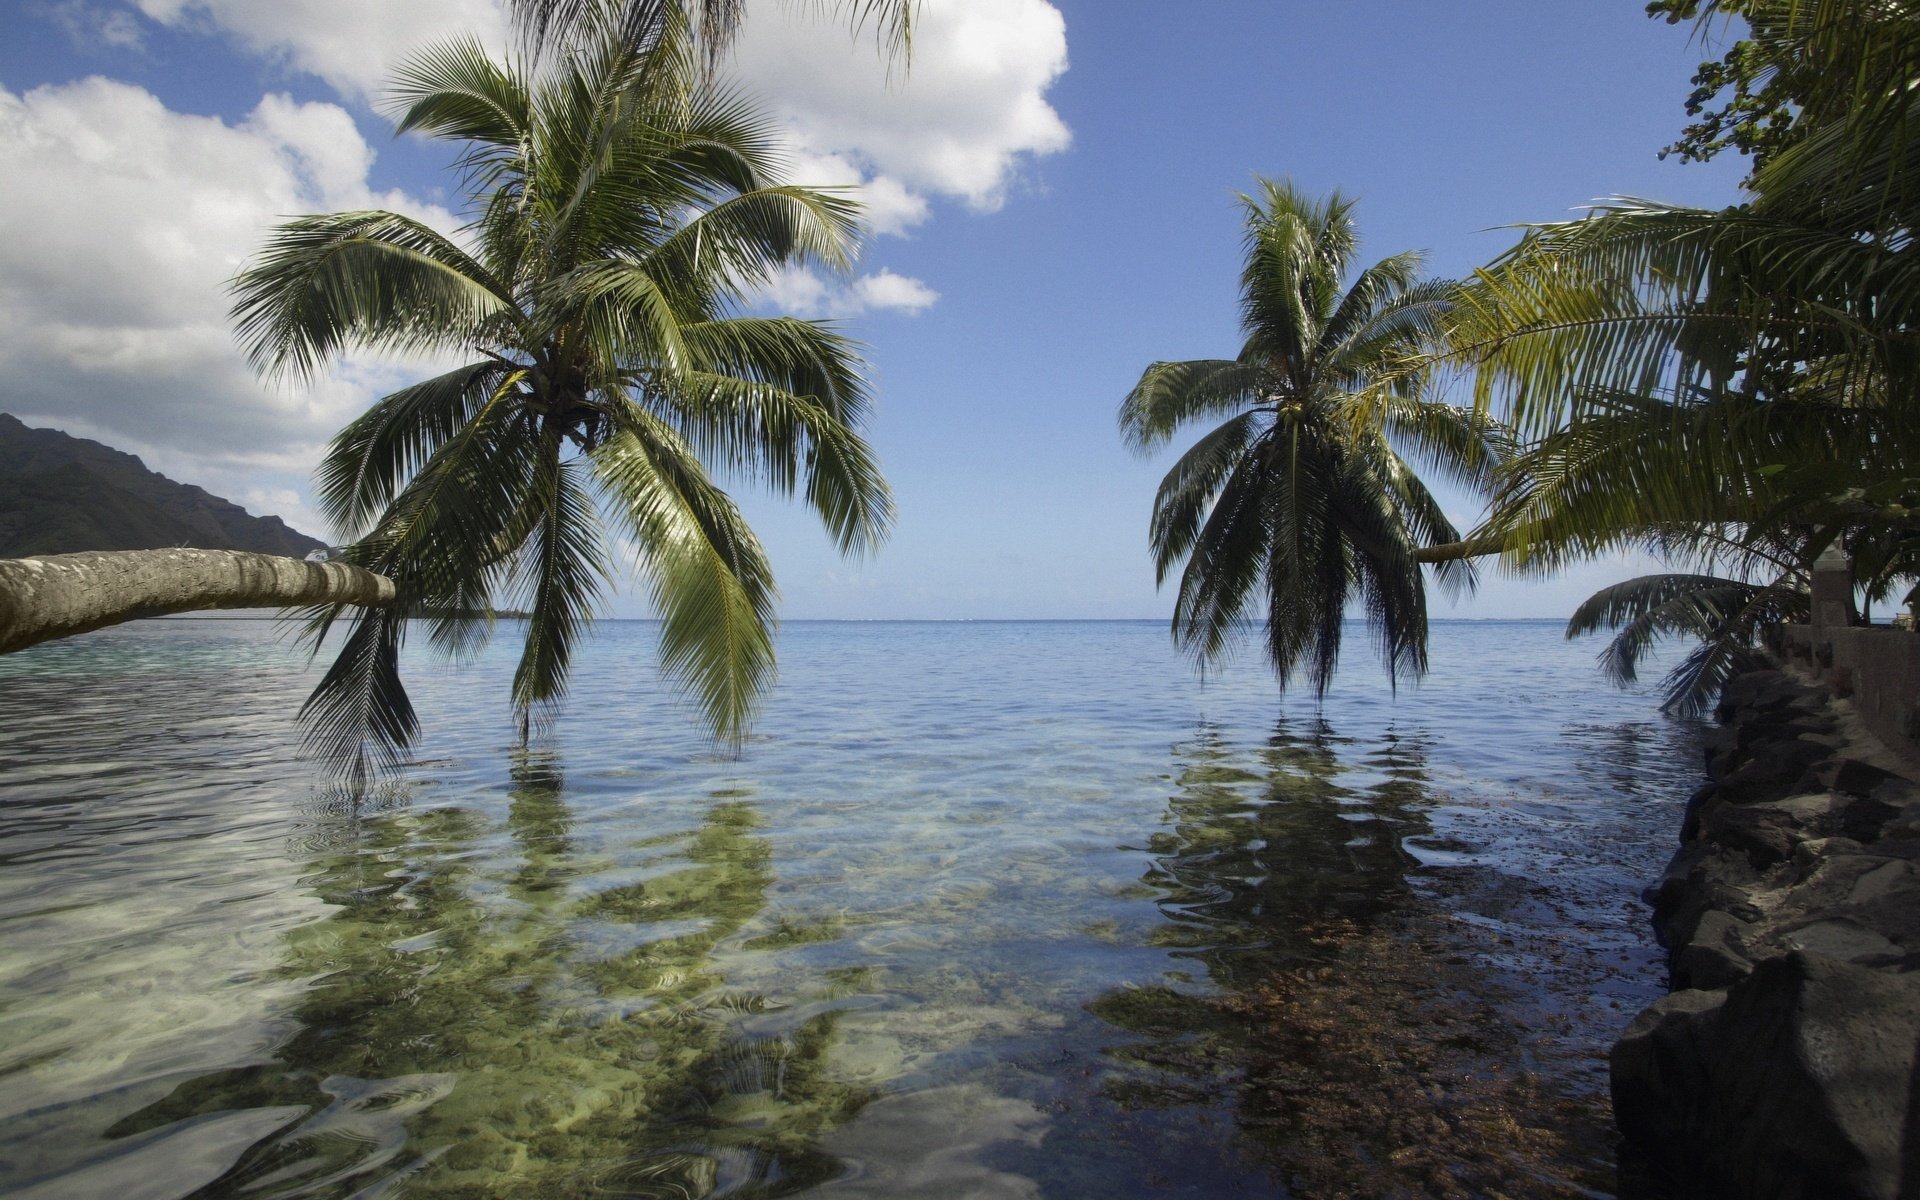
(64, 594)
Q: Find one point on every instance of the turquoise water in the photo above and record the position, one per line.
(970, 915)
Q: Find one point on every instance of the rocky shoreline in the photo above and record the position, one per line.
(1782, 1064)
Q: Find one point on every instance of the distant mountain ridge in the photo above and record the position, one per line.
(61, 494)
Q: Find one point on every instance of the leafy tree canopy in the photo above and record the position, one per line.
(622, 207)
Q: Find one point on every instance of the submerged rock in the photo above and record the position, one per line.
(1783, 1065)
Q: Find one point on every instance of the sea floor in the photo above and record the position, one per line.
(1000, 910)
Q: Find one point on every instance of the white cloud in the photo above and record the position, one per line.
(352, 44)
(888, 206)
(960, 121)
(804, 293)
(113, 307)
(92, 25)
(113, 261)
(884, 289)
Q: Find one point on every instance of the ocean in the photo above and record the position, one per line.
(998, 909)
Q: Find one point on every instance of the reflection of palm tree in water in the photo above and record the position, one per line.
(1265, 845)
(1272, 855)
(1362, 1045)
(504, 1028)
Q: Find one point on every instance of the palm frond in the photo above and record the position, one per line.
(1654, 299)
(1724, 615)
(1224, 566)
(1170, 394)
(371, 279)
(748, 238)
(1187, 492)
(456, 91)
(643, 24)
(559, 578)
(777, 437)
(359, 717)
(709, 579)
(368, 462)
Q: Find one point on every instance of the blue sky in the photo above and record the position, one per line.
(1058, 182)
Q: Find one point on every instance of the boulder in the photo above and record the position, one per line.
(1794, 1083)
(1784, 1064)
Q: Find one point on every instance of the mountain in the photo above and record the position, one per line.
(59, 494)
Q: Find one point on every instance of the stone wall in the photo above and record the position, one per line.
(1783, 1064)
(1876, 667)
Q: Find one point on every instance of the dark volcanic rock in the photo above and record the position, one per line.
(61, 494)
(1792, 1084)
(1783, 1066)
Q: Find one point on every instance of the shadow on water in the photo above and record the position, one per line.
(497, 1009)
(1345, 1017)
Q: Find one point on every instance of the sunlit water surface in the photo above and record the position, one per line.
(900, 946)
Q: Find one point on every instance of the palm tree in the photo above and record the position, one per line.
(620, 208)
(1736, 389)
(1300, 498)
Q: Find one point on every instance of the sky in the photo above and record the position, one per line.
(1051, 189)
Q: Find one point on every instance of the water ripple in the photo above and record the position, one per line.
(952, 911)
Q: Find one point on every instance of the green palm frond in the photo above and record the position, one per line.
(1378, 507)
(729, 141)
(1724, 615)
(1225, 566)
(1421, 520)
(623, 313)
(561, 573)
(359, 718)
(1727, 468)
(372, 279)
(1307, 564)
(709, 577)
(1654, 299)
(774, 436)
(1386, 341)
(750, 237)
(1171, 394)
(1300, 499)
(621, 205)
(456, 91)
(1187, 492)
(643, 24)
(368, 462)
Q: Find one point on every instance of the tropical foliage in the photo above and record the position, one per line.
(1732, 389)
(713, 24)
(620, 206)
(1301, 500)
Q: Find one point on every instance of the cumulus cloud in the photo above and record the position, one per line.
(352, 44)
(113, 312)
(957, 122)
(960, 121)
(888, 206)
(113, 309)
(805, 293)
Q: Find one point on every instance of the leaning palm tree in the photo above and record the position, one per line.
(620, 208)
(1301, 498)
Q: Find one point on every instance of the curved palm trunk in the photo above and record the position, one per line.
(64, 594)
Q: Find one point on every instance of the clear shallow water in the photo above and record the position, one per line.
(958, 922)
